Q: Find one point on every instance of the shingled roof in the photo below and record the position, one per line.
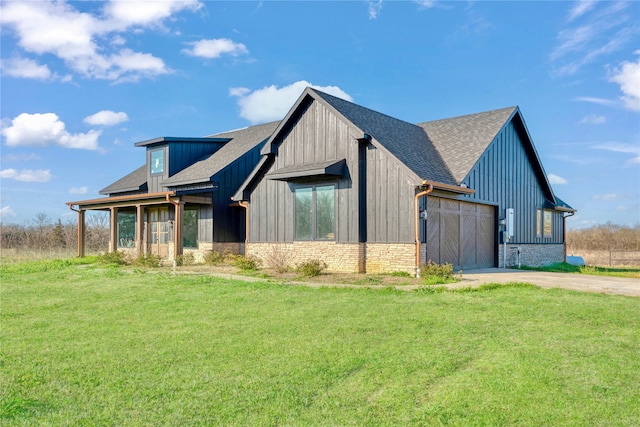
(242, 140)
(462, 140)
(407, 142)
(135, 181)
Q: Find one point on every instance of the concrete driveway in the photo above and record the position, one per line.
(575, 282)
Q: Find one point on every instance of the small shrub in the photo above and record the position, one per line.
(185, 259)
(438, 274)
(147, 260)
(277, 259)
(311, 268)
(117, 258)
(214, 258)
(249, 263)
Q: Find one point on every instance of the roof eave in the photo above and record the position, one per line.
(448, 187)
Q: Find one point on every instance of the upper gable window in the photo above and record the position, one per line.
(157, 161)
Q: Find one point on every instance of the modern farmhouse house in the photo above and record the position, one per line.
(358, 189)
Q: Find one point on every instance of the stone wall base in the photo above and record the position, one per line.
(199, 254)
(339, 257)
(531, 255)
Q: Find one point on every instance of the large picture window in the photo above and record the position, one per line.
(315, 212)
(126, 229)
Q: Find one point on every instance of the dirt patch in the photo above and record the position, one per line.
(351, 279)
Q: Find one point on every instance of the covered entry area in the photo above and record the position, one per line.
(461, 233)
(145, 223)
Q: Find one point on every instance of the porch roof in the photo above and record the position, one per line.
(130, 199)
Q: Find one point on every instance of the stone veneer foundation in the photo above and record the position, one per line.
(531, 255)
(341, 257)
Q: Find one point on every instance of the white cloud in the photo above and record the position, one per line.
(123, 14)
(375, 7)
(106, 118)
(556, 180)
(273, 103)
(6, 212)
(618, 147)
(594, 100)
(593, 119)
(628, 77)
(608, 30)
(606, 197)
(88, 43)
(26, 175)
(79, 190)
(580, 8)
(46, 129)
(25, 68)
(427, 4)
(214, 48)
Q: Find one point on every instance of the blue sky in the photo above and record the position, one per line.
(83, 81)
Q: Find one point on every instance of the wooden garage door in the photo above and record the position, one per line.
(460, 233)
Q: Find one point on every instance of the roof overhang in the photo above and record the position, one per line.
(448, 187)
(331, 168)
(128, 200)
(168, 139)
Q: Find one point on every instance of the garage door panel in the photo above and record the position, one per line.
(450, 243)
(461, 233)
(469, 241)
(433, 237)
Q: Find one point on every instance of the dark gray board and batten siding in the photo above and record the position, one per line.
(504, 176)
(177, 156)
(319, 135)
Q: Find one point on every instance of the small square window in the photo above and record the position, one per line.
(157, 161)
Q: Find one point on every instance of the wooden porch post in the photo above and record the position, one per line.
(113, 230)
(81, 233)
(177, 229)
(140, 244)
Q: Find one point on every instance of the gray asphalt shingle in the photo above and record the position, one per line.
(462, 140)
(135, 181)
(242, 141)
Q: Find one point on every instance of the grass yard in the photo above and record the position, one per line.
(85, 345)
(563, 267)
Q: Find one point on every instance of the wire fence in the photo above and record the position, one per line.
(608, 258)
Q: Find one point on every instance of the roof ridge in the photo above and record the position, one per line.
(513, 107)
(242, 129)
(323, 94)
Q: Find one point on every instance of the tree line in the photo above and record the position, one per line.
(44, 234)
(605, 237)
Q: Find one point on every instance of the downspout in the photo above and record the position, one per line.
(417, 224)
(245, 205)
(564, 233)
(176, 206)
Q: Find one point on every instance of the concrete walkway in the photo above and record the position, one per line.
(575, 282)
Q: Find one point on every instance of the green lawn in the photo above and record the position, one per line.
(563, 267)
(93, 346)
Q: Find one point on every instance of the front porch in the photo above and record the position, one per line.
(161, 223)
